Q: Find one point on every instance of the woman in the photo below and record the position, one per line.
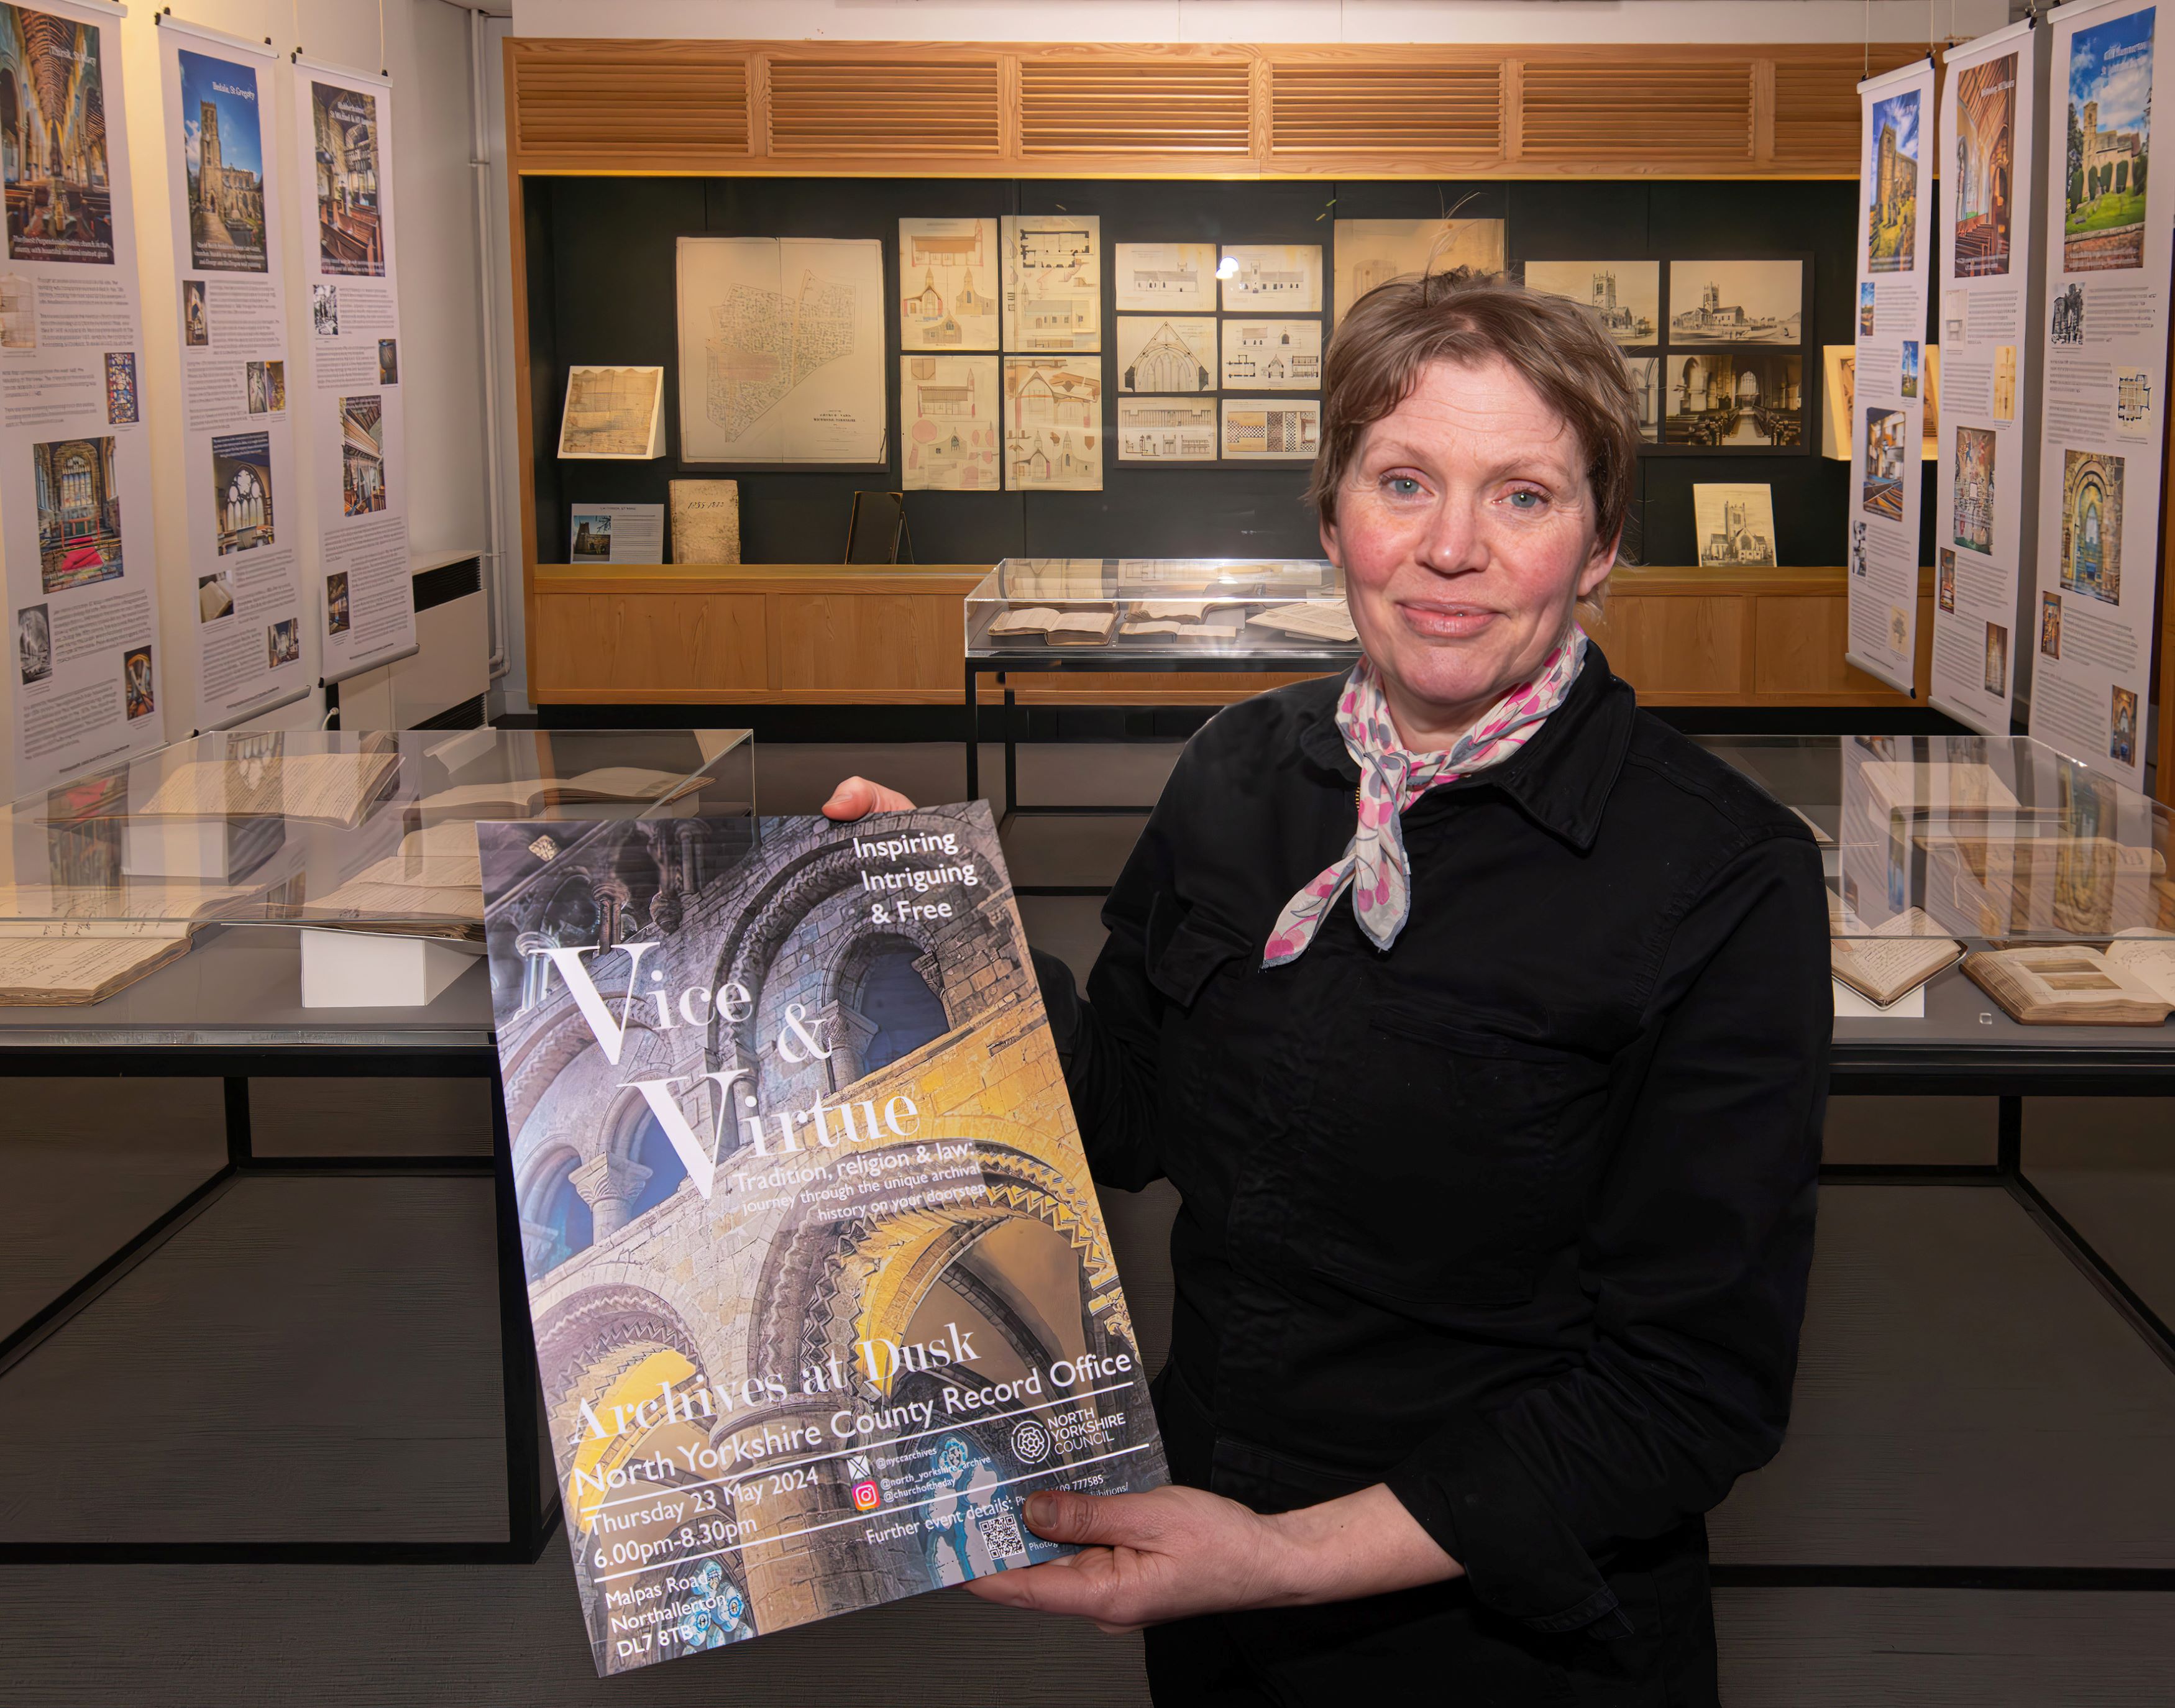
(1480, 1022)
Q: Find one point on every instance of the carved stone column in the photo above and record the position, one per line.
(540, 1247)
(846, 1033)
(665, 910)
(613, 898)
(535, 967)
(609, 1185)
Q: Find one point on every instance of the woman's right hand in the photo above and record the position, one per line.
(857, 797)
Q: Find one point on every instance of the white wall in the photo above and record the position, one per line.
(426, 51)
(1264, 20)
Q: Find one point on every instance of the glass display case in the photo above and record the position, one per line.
(1988, 888)
(1205, 610)
(111, 875)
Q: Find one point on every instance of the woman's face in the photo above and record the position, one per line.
(1465, 530)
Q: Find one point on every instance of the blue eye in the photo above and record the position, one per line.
(1404, 487)
(1526, 501)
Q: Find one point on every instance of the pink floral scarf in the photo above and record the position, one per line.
(1390, 779)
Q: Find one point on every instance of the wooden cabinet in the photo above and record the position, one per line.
(894, 635)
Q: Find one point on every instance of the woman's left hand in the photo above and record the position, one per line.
(1175, 1553)
(1167, 1555)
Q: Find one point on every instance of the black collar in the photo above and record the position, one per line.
(1560, 780)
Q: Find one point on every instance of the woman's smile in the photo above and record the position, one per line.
(1437, 620)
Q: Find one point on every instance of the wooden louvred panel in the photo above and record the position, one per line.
(1691, 113)
(901, 109)
(1816, 106)
(1377, 109)
(1148, 107)
(631, 104)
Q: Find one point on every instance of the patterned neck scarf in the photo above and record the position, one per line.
(1390, 779)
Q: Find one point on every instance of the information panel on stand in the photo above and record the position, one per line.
(225, 189)
(357, 434)
(75, 452)
(1986, 488)
(2107, 247)
(1894, 242)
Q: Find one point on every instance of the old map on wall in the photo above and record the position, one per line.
(1374, 252)
(1052, 282)
(781, 350)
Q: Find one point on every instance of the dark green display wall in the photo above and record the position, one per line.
(600, 291)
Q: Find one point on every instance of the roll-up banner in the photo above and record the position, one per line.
(246, 522)
(351, 403)
(2108, 219)
(1895, 245)
(75, 454)
(1986, 491)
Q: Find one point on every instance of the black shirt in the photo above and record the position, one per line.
(1515, 1217)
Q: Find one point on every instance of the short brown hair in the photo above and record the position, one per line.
(1397, 330)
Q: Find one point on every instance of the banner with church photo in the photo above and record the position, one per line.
(351, 393)
(245, 526)
(1895, 247)
(2107, 218)
(75, 455)
(1986, 486)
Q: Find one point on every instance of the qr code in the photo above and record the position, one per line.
(1001, 1532)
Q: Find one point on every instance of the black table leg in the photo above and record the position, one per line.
(974, 739)
(528, 1526)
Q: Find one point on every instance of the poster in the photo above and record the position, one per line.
(245, 525)
(821, 1289)
(1986, 489)
(781, 350)
(351, 400)
(1272, 355)
(1895, 242)
(2106, 317)
(75, 457)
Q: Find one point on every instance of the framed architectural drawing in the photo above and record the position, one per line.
(616, 413)
(1626, 295)
(1167, 429)
(947, 285)
(1736, 302)
(1259, 277)
(1272, 355)
(1164, 278)
(1735, 526)
(781, 350)
(1374, 252)
(1052, 282)
(1053, 424)
(950, 410)
(1172, 353)
(1270, 429)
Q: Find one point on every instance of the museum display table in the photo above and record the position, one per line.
(1059, 616)
(1999, 844)
(355, 838)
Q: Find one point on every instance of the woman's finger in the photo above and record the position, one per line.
(857, 797)
(1108, 1520)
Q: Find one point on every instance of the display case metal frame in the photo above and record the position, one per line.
(530, 1518)
(1319, 661)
